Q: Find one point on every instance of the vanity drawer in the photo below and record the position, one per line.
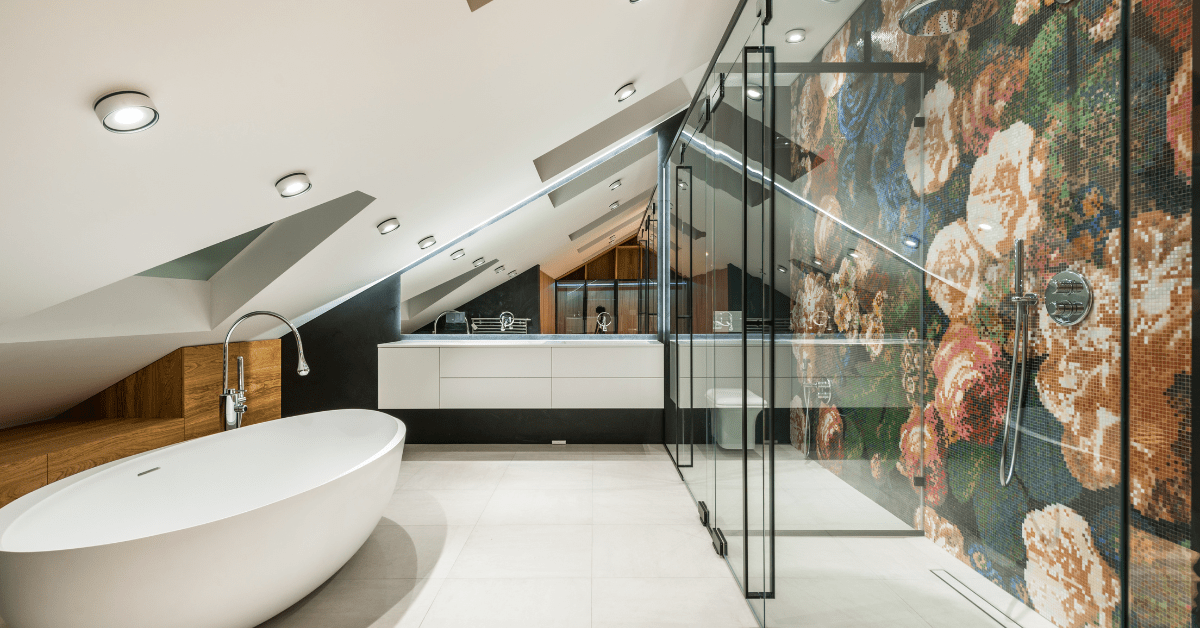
(495, 362)
(495, 392)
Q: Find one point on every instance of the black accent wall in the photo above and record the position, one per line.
(519, 295)
(340, 346)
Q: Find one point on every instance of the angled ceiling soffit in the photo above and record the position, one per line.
(283, 244)
(640, 115)
(414, 306)
(633, 220)
(637, 203)
(203, 264)
(605, 170)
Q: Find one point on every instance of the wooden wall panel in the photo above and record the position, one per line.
(603, 267)
(546, 309)
(155, 392)
(173, 399)
(629, 262)
(202, 384)
(19, 477)
(121, 440)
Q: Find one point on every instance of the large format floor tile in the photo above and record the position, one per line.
(654, 551)
(669, 603)
(436, 507)
(526, 551)
(512, 603)
(534, 506)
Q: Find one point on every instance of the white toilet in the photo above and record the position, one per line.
(727, 415)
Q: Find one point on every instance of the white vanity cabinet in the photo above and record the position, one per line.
(497, 373)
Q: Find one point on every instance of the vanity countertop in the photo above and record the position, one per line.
(524, 340)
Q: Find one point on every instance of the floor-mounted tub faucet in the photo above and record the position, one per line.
(233, 400)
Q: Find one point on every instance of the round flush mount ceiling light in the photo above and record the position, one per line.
(754, 92)
(499, 269)
(614, 185)
(126, 112)
(426, 242)
(614, 204)
(293, 184)
(477, 263)
(795, 36)
(388, 226)
(625, 92)
(457, 254)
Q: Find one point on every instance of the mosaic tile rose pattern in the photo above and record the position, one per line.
(1021, 141)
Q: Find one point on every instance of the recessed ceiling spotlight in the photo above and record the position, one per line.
(477, 263)
(795, 36)
(831, 1)
(911, 241)
(614, 204)
(499, 269)
(983, 226)
(457, 254)
(126, 112)
(427, 242)
(614, 185)
(683, 184)
(512, 274)
(293, 184)
(853, 253)
(625, 92)
(754, 92)
(781, 269)
(388, 226)
(817, 261)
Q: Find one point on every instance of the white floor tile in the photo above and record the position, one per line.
(512, 603)
(607, 474)
(663, 505)
(538, 506)
(654, 551)
(395, 603)
(436, 507)
(526, 551)
(394, 551)
(839, 604)
(456, 474)
(669, 603)
(547, 474)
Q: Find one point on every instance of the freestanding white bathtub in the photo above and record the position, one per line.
(220, 532)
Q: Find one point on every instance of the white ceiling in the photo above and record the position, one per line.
(435, 111)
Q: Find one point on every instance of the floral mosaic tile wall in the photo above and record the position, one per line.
(1021, 141)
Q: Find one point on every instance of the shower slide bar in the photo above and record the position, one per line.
(1016, 383)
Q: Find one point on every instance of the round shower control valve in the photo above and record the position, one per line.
(1068, 298)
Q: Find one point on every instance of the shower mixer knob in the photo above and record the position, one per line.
(1066, 286)
(1068, 297)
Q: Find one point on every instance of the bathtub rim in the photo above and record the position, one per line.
(13, 511)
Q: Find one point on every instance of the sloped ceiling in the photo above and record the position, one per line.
(434, 110)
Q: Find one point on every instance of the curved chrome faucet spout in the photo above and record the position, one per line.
(233, 401)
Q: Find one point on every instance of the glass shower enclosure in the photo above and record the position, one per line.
(899, 320)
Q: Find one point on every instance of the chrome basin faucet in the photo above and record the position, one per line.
(233, 400)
